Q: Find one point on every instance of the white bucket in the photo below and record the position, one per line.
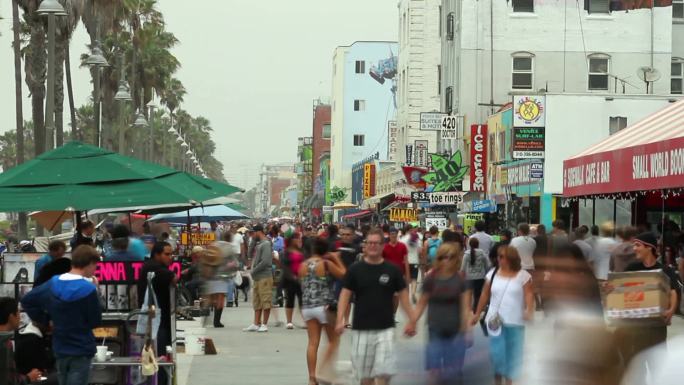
(194, 341)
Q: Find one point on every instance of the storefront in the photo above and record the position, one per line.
(639, 171)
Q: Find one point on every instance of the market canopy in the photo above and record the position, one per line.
(646, 156)
(200, 214)
(76, 177)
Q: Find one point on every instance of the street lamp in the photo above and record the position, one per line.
(97, 61)
(151, 106)
(184, 145)
(140, 121)
(50, 8)
(122, 94)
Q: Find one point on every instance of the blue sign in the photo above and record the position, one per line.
(536, 170)
(484, 206)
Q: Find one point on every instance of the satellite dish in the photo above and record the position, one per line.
(648, 74)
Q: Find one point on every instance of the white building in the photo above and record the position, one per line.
(553, 46)
(418, 71)
(362, 105)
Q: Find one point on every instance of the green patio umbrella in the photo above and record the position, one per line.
(75, 177)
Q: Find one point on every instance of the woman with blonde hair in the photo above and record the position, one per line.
(447, 297)
(508, 290)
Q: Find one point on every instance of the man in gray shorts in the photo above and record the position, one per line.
(374, 282)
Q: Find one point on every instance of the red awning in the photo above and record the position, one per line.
(358, 214)
(648, 155)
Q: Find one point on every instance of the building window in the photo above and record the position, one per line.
(617, 123)
(678, 9)
(359, 140)
(523, 5)
(599, 66)
(450, 27)
(522, 72)
(360, 66)
(359, 105)
(449, 100)
(439, 79)
(326, 131)
(677, 76)
(599, 6)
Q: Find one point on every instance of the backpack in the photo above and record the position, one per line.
(433, 245)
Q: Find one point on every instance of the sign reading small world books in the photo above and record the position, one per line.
(450, 198)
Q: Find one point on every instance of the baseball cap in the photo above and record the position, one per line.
(258, 228)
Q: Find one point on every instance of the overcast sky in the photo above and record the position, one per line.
(253, 68)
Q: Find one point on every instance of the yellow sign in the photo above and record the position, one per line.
(403, 215)
(368, 180)
(198, 239)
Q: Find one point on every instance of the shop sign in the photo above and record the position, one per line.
(431, 121)
(403, 215)
(450, 126)
(439, 220)
(452, 198)
(537, 170)
(392, 140)
(478, 158)
(125, 272)
(197, 238)
(518, 175)
(409, 154)
(529, 111)
(328, 209)
(368, 180)
(414, 176)
(337, 194)
(528, 142)
(447, 173)
(421, 147)
(646, 167)
(484, 206)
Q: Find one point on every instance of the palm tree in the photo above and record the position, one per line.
(65, 29)
(35, 64)
(19, 113)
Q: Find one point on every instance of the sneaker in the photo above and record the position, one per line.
(262, 329)
(251, 328)
(279, 324)
(290, 326)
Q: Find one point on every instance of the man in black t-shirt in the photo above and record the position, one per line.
(639, 338)
(162, 282)
(373, 282)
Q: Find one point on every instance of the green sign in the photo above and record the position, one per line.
(337, 194)
(447, 173)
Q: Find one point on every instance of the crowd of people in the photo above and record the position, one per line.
(349, 279)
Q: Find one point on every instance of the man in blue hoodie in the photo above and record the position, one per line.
(71, 302)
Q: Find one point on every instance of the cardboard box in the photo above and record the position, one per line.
(638, 297)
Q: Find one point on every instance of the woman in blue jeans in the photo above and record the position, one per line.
(447, 296)
(508, 290)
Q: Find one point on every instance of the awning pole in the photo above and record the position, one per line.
(614, 217)
(593, 211)
(130, 222)
(662, 219)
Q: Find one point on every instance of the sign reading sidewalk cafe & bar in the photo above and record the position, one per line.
(647, 167)
(403, 215)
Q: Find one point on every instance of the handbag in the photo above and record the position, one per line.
(237, 278)
(141, 327)
(495, 321)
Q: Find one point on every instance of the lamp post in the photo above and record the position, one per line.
(97, 61)
(170, 131)
(122, 95)
(151, 106)
(51, 9)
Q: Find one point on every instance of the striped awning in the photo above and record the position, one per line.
(648, 155)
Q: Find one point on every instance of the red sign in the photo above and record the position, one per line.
(478, 158)
(652, 166)
(414, 176)
(368, 180)
(125, 272)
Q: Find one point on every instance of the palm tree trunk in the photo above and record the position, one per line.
(19, 113)
(70, 91)
(36, 72)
